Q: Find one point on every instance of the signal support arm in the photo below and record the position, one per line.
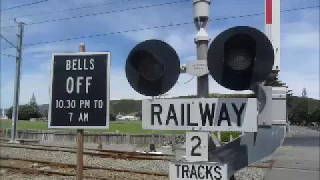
(251, 147)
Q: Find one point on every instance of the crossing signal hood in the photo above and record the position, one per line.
(239, 57)
(152, 67)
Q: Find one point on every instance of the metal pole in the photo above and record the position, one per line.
(201, 10)
(17, 85)
(79, 168)
(201, 18)
(202, 81)
(152, 147)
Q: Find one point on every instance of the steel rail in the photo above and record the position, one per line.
(99, 154)
(99, 150)
(66, 165)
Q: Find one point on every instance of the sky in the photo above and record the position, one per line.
(299, 40)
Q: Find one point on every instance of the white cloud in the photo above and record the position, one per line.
(302, 34)
(48, 48)
(297, 82)
(30, 83)
(190, 88)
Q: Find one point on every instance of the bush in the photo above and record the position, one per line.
(25, 112)
(299, 112)
(314, 115)
(112, 117)
(225, 135)
(9, 113)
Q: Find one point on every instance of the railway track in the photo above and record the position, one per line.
(103, 153)
(65, 165)
(93, 149)
(20, 165)
(93, 152)
(50, 167)
(56, 168)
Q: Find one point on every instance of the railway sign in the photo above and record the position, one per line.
(79, 90)
(208, 114)
(197, 170)
(197, 146)
(197, 68)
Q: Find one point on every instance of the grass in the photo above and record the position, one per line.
(24, 125)
(130, 127)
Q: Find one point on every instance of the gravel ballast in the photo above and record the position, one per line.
(249, 173)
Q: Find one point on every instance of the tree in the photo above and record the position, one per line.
(112, 117)
(26, 112)
(138, 115)
(33, 102)
(314, 115)
(289, 99)
(45, 114)
(304, 93)
(299, 112)
(273, 80)
(9, 113)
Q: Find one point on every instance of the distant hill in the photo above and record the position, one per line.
(215, 95)
(127, 106)
(311, 102)
(131, 106)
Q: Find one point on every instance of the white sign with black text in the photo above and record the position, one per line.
(197, 170)
(208, 114)
(197, 146)
(197, 68)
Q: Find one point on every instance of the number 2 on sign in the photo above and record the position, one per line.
(197, 146)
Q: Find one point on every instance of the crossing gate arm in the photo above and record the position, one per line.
(249, 148)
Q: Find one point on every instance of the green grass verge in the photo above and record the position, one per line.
(130, 127)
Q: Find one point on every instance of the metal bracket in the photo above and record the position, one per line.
(248, 148)
(253, 146)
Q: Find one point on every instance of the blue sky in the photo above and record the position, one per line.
(299, 40)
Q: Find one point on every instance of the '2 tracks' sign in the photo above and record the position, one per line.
(79, 90)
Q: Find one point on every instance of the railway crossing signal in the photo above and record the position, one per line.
(152, 67)
(239, 58)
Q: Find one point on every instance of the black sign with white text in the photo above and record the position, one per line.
(80, 90)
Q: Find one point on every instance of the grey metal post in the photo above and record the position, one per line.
(201, 18)
(17, 84)
(202, 84)
(201, 10)
(152, 144)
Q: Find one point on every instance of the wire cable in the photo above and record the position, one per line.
(14, 7)
(9, 55)
(8, 30)
(187, 81)
(106, 12)
(157, 27)
(8, 41)
(109, 12)
(64, 10)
